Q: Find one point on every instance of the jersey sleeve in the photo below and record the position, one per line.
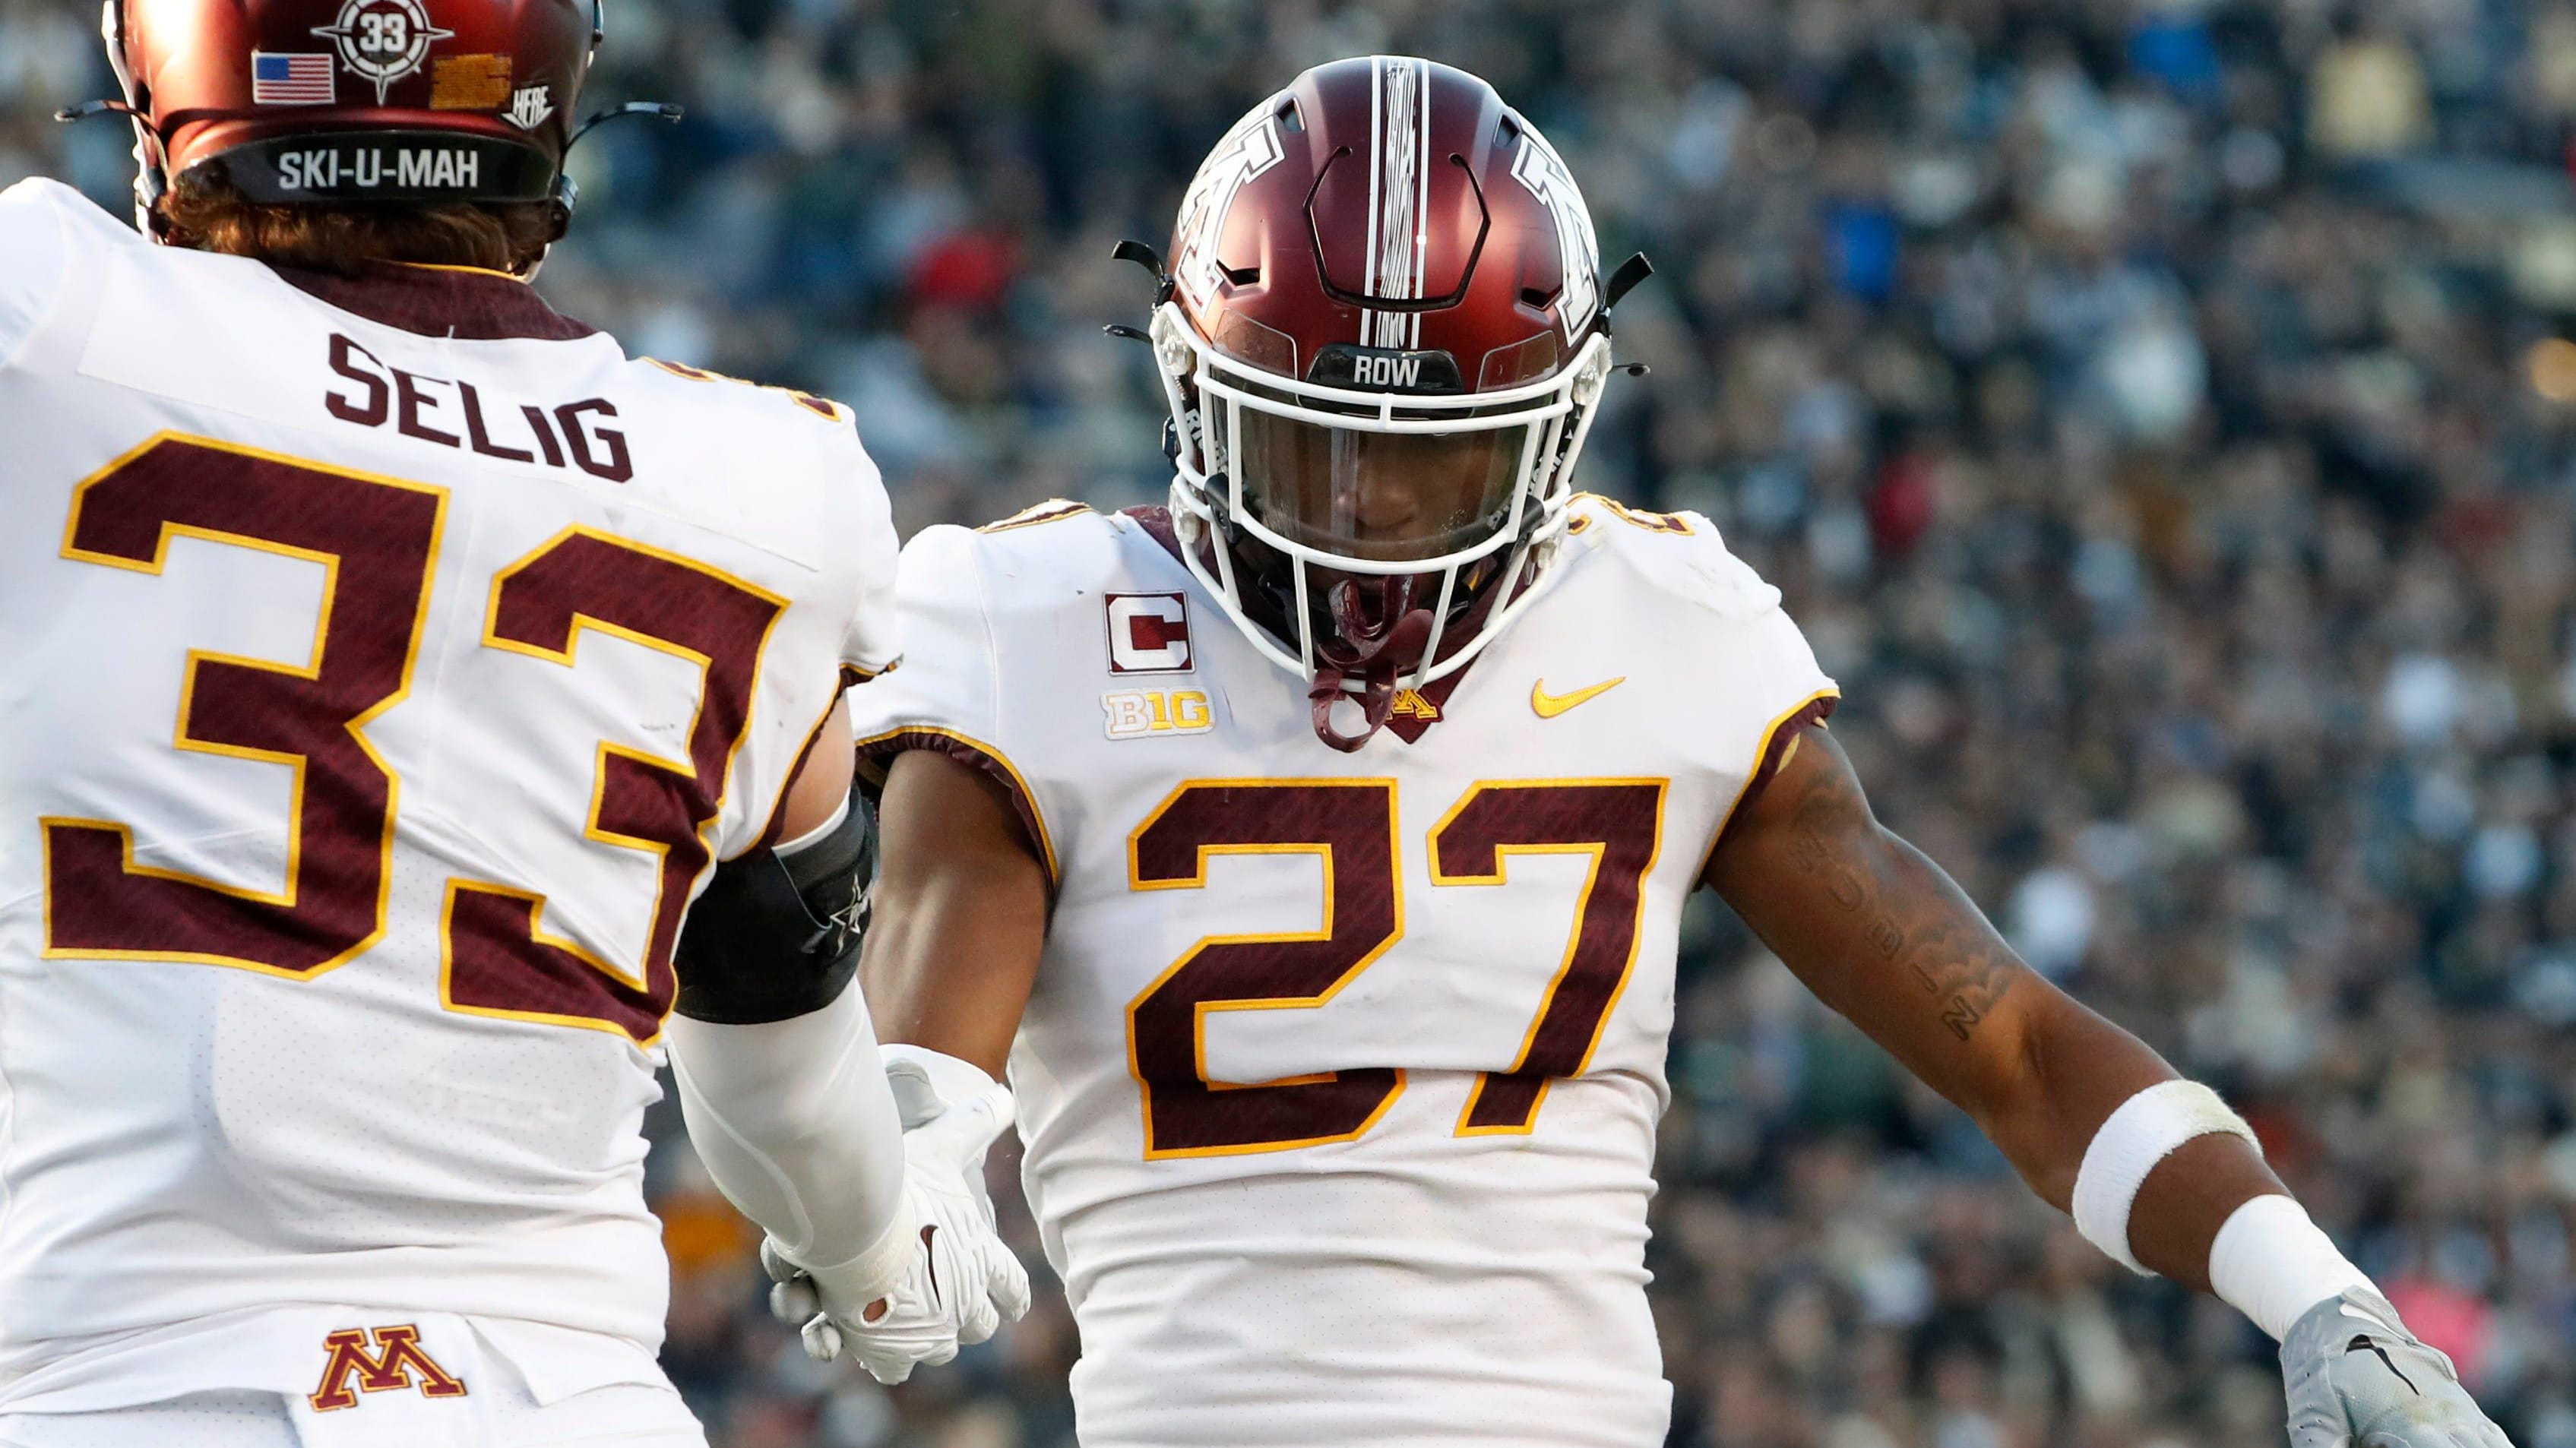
(1764, 686)
(32, 258)
(1802, 695)
(944, 693)
(873, 640)
(1764, 652)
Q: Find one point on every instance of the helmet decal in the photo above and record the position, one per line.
(1250, 149)
(1399, 175)
(383, 41)
(469, 83)
(530, 105)
(291, 79)
(1539, 168)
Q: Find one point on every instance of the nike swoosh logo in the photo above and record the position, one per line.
(1548, 705)
(2360, 1343)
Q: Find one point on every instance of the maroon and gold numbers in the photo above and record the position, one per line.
(1618, 823)
(1350, 825)
(498, 962)
(377, 540)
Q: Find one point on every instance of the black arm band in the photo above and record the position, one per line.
(773, 937)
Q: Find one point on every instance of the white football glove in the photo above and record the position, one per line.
(2356, 1376)
(963, 1281)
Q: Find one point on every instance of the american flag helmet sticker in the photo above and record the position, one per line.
(291, 80)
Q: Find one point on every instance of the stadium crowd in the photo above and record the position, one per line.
(2157, 416)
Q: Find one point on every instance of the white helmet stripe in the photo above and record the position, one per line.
(1399, 195)
(1377, 154)
(1416, 254)
(1397, 274)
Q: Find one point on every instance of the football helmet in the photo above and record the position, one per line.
(1382, 340)
(353, 100)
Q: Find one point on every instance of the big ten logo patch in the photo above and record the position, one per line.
(1149, 633)
(1138, 713)
(398, 1363)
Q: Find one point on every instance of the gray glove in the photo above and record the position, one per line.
(2357, 1378)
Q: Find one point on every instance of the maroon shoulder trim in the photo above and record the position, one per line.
(882, 747)
(470, 306)
(1775, 753)
(1156, 520)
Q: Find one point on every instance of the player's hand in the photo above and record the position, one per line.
(2357, 1378)
(963, 1281)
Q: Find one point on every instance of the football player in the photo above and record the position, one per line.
(1312, 852)
(389, 662)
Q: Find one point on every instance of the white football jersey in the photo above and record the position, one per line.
(373, 698)
(1341, 1074)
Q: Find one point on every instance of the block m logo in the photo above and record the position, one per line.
(389, 1369)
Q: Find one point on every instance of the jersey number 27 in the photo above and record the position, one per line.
(1350, 825)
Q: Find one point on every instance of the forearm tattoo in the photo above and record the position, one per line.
(1909, 912)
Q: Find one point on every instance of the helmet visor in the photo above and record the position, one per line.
(1381, 496)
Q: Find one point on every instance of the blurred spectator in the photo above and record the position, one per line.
(2155, 411)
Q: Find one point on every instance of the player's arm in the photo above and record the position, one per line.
(958, 914)
(961, 912)
(1886, 938)
(2157, 1171)
(780, 1081)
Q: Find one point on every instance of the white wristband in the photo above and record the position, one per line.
(2147, 1128)
(2272, 1264)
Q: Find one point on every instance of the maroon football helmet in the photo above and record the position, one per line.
(353, 100)
(1382, 339)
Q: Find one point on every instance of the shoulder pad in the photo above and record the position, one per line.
(75, 212)
(1055, 550)
(821, 407)
(1037, 575)
(1680, 554)
(1052, 510)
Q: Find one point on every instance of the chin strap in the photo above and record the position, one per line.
(1383, 648)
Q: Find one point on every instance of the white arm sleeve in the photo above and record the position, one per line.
(797, 1126)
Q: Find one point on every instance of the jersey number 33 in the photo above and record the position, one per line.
(377, 540)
